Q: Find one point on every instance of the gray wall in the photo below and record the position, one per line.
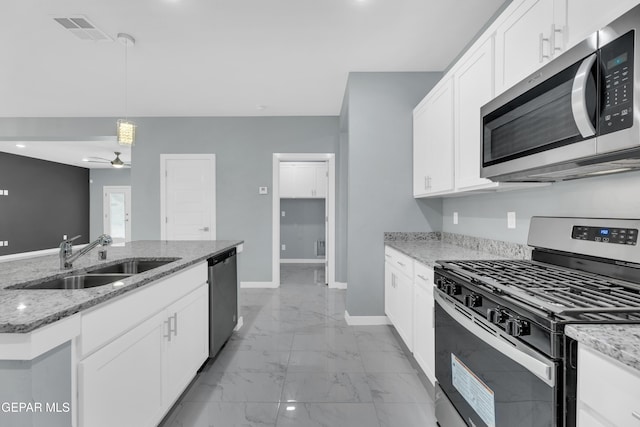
(99, 178)
(46, 379)
(342, 203)
(614, 196)
(380, 180)
(244, 150)
(301, 226)
(46, 200)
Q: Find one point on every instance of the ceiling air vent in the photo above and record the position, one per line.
(82, 28)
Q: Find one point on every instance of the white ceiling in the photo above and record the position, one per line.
(220, 57)
(213, 57)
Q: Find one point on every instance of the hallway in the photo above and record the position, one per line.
(296, 362)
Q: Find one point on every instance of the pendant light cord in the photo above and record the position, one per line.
(126, 82)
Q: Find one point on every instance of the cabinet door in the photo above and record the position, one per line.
(474, 88)
(287, 180)
(523, 42)
(420, 150)
(121, 384)
(584, 17)
(390, 296)
(424, 332)
(404, 308)
(187, 343)
(321, 181)
(433, 143)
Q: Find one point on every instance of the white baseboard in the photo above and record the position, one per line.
(239, 323)
(338, 285)
(302, 261)
(365, 320)
(269, 285)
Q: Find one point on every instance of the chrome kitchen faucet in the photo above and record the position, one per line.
(67, 257)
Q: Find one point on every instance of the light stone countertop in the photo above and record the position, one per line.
(24, 310)
(620, 342)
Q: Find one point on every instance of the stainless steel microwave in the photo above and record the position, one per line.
(577, 116)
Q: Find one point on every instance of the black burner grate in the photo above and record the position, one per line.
(558, 290)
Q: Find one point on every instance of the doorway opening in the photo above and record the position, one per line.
(304, 216)
(116, 209)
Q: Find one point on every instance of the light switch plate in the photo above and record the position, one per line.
(284, 247)
(455, 217)
(263, 190)
(6, 192)
(6, 243)
(1, 243)
(511, 220)
(283, 214)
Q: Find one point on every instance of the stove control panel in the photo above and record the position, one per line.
(622, 236)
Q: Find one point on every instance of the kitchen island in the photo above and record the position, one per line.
(107, 355)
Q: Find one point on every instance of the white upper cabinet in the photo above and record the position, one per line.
(586, 16)
(433, 142)
(303, 180)
(474, 88)
(527, 39)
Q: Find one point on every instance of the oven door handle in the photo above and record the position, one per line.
(579, 98)
(528, 359)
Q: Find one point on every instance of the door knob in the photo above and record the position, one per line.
(204, 229)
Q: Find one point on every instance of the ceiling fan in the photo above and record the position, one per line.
(116, 163)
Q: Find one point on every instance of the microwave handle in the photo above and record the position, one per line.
(579, 98)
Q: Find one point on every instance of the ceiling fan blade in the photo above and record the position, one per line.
(98, 161)
(95, 159)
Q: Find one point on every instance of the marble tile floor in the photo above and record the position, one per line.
(296, 362)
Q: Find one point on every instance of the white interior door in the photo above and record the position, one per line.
(188, 189)
(116, 209)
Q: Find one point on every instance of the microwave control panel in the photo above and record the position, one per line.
(616, 65)
(623, 236)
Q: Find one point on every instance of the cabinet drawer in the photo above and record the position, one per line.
(608, 388)
(105, 322)
(423, 276)
(401, 262)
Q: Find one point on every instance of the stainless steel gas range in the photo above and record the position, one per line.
(502, 358)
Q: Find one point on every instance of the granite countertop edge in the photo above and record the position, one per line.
(88, 298)
(620, 342)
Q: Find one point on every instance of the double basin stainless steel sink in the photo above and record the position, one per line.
(98, 276)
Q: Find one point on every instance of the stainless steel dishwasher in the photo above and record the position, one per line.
(223, 299)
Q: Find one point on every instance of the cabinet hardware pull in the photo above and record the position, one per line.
(429, 182)
(553, 36)
(423, 278)
(541, 47)
(168, 335)
(400, 263)
(175, 323)
(636, 415)
(387, 255)
(425, 183)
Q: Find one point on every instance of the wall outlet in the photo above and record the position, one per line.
(284, 247)
(263, 190)
(283, 214)
(511, 220)
(455, 217)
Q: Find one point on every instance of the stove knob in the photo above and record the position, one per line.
(440, 283)
(495, 315)
(453, 289)
(517, 327)
(473, 300)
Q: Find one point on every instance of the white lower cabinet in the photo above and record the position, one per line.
(134, 379)
(121, 385)
(608, 391)
(409, 306)
(189, 343)
(423, 325)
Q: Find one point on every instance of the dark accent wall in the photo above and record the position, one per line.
(45, 201)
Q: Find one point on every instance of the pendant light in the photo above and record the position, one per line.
(126, 130)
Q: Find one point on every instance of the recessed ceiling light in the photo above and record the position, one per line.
(291, 408)
(21, 306)
(261, 107)
(21, 146)
(84, 159)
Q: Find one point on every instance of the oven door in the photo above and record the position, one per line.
(490, 378)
